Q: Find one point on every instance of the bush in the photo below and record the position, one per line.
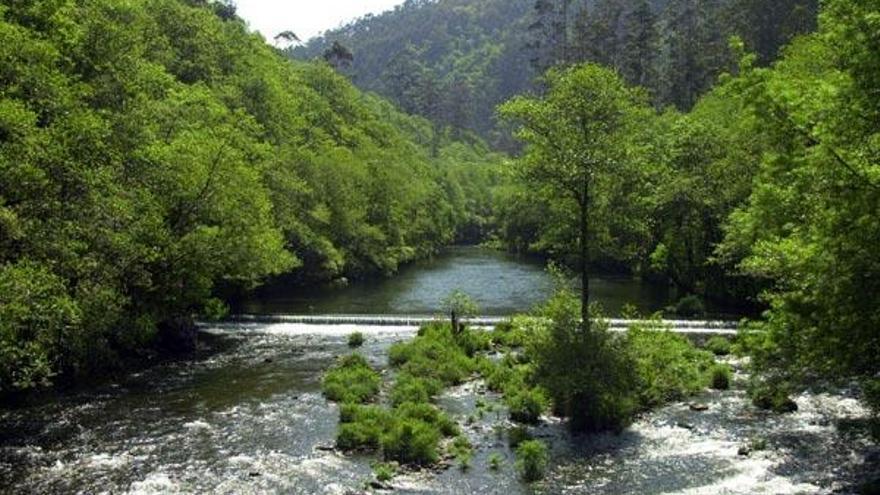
(351, 380)
(532, 460)
(362, 427)
(689, 307)
(408, 388)
(720, 377)
(411, 441)
(462, 450)
(356, 340)
(517, 435)
(39, 326)
(495, 461)
(719, 346)
(669, 367)
(772, 397)
(590, 376)
(526, 405)
(384, 472)
(435, 353)
(428, 414)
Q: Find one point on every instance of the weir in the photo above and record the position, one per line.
(690, 327)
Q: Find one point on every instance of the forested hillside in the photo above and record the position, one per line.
(454, 61)
(155, 154)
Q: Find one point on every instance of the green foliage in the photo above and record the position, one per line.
(352, 380)
(356, 339)
(363, 427)
(384, 471)
(462, 450)
(772, 396)
(517, 435)
(720, 377)
(589, 375)
(690, 306)
(460, 303)
(477, 55)
(669, 367)
(434, 354)
(39, 324)
(411, 442)
(532, 459)
(408, 388)
(810, 224)
(157, 157)
(720, 346)
(526, 405)
(495, 461)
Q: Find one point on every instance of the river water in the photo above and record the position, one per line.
(246, 416)
(501, 283)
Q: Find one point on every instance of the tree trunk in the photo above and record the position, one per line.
(583, 243)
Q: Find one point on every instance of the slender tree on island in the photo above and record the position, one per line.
(574, 137)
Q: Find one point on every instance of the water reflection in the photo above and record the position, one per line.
(501, 283)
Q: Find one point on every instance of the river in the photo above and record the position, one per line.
(501, 284)
(246, 416)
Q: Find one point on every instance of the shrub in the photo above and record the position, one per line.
(690, 306)
(39, 326)
(719, 346)
(408, 388)
(462, 450)
(384, 472)
(590, 376)
(517, 435)
(720, 377)
(526, 405)
(669, 367)
(495, 461)
(532, 460)
(356, 339)
(411, 441)
(428, 414)
(362, 427)
(435, 353)
(351, 380)
(772, 397)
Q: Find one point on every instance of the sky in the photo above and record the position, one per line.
(306, 18)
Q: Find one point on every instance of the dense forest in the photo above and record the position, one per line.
(454, 61)
(768, 186)
(155, 155)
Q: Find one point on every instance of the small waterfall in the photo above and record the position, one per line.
(698, 327)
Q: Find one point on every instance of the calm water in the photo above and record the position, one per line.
(501, 283)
